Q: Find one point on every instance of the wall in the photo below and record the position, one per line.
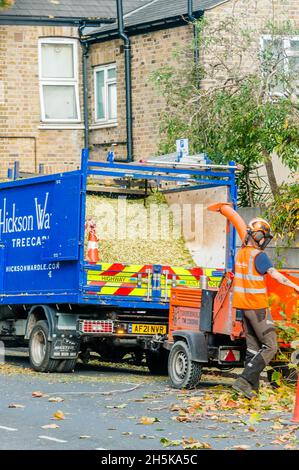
(289, 257)
(149, 52)
(21, 135)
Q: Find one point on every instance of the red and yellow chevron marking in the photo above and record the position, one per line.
(132, 280)
(177, 276)
(121, 279)
(213, 281)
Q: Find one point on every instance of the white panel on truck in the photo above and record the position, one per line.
(204, 232)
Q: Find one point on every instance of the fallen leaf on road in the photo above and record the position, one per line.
(14, 405)
(56, 399)
(58, 415)
(254, 418)
(37, 394)
(251, 429)
(50, 426)
(175, 408)
(159, 409)
(117, 406)
(241, 447)
(168, 443)
(277, 427)
(192, 443)
(147, 420)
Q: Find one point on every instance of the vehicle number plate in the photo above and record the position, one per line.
(142, 329)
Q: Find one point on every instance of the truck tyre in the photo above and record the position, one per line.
(67, 365)
(157, 362)
(183, 372)
(40, 347)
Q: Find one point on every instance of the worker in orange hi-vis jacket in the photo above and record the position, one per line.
(250, 297)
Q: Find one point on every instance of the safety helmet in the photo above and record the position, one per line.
(260, 231)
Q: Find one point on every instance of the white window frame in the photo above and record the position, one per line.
(107, 81)
(287, 49)
(61, 81)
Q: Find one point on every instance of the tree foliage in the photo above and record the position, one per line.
(6, 3)
(283, 213)
(238, 104)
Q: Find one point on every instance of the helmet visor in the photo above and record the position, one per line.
(261, 238)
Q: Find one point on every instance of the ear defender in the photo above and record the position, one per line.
(259, 230)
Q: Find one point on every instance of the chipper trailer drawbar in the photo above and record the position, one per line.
(64, 307)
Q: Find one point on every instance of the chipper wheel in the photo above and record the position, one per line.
(183, 372)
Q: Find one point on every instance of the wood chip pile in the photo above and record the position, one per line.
(128, 239)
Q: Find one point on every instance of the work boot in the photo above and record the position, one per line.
(253, 370)
(256, 380)
(256, 385)
(242, 386)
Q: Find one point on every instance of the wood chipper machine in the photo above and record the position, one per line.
(205, 331)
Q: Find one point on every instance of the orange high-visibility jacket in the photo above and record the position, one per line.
(249, 288)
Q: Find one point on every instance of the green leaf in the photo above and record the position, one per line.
(168, 443)
(254, 418)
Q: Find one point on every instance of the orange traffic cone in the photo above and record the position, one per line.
(295, 418)
(92, 244)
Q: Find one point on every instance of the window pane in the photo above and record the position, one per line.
(112, 103)
(294, 65)
(112, 73)
(57, 61)
(294, 45)
(60, 102)
(100, 95)
(274, 56)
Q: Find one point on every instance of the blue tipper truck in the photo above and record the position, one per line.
(50, 299)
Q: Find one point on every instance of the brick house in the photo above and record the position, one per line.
(58, 93)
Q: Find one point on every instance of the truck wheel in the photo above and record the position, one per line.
(183, 372)
(39, 349)
(157, 362)
(67, 365)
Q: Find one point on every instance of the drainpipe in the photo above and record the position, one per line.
(128, 79)
(85, 56)
(192, 19)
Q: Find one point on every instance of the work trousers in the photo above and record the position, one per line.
(261, 342)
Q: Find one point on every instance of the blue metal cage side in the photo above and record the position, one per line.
(205, 178)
